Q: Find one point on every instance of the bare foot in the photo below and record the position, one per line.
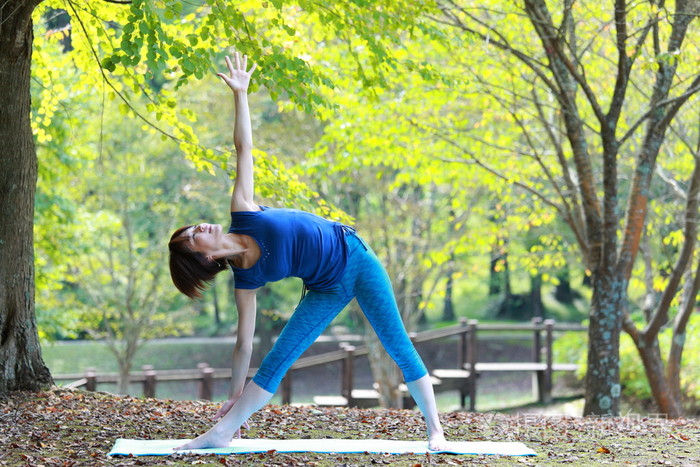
(211, 439)
(437, 442)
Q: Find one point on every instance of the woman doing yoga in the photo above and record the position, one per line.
(265, 245)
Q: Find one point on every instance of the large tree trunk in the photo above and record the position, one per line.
(21, 365)
(603, 376)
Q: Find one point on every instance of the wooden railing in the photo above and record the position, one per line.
(463, 378)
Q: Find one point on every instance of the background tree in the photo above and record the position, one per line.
(552, 73)
(128, 207)
(555, 136)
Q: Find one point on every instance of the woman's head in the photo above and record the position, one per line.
(190, 270)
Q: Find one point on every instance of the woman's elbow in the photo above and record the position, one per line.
(244, 148)
(244, 346)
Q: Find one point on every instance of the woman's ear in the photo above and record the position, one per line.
(210, 258)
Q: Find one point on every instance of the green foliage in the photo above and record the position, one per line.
(154, 49)
(433, 141)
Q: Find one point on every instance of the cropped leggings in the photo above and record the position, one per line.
(365, 279)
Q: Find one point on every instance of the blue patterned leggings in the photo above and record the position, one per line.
(366, 279)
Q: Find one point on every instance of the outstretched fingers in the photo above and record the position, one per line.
(237, 78)
(239, 64)
(252, 68)
(226, 406)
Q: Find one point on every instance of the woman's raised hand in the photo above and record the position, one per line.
(238, 78)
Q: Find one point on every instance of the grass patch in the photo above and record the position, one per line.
(165, 354)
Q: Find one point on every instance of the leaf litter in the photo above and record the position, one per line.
(69, 428)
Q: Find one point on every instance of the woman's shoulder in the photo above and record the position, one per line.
(248, 208)
(248, 219)
(250, 212)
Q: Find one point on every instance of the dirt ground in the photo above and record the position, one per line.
(75, 428)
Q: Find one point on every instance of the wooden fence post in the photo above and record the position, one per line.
(538, 376)
(287, 388)
(462, 349)
(348, 375)
(549, 340)
(91, 379)
(472, 356)
(149, 381)
(206, 381)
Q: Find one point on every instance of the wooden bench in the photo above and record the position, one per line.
(542, 371)
(453, 379)
(361, 398)
(368, 398)
(541, 366)
(482, 367)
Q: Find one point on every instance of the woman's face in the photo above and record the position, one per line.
(204, 238)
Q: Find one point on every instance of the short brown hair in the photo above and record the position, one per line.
(190, 270)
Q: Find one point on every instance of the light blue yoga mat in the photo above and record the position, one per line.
(141, 447)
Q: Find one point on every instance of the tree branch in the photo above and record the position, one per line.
(541, 19)
(680, 325)
(624, 62)
(660, 317)
(656, 127)
(485, 166)
(676, 102)
(574, 129)
(577, 221)
(502, 44)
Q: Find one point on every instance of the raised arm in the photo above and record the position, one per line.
(238, 80)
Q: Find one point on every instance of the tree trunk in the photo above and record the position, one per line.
(603, 376)
(536, 296)
(217, 308)
(675, 354)
(124, 375)
(656, 375)
(448, 310)
(125, 350)
(563, 292)
(21, 365)
(497, 278)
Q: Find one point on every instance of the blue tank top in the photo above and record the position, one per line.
(292, 243)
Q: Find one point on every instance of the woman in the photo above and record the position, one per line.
(264, 245)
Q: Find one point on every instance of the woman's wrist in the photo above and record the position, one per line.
(235, 394)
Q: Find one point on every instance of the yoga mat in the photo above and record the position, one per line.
(141, 447)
